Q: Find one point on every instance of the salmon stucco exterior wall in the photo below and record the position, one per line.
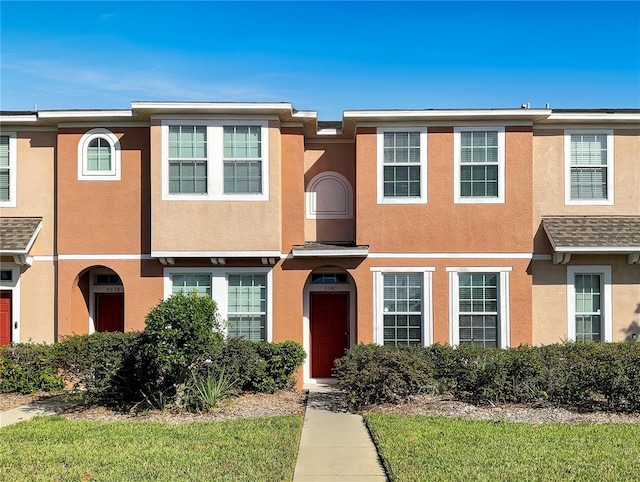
(358, 231)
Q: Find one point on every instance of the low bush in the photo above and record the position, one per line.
(99, 364)
(579, 375)
(373, 374)
(27, 368)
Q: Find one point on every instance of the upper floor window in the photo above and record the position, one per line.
(187, 159)
(242, 159)
(8, 170)
(215, 160)
(589, 167)
(479, 154)
(402, 165)
(99, 156)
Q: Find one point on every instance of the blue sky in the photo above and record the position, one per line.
(323, 56)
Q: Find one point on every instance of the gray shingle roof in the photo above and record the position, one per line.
(593, 231)
(17, 233)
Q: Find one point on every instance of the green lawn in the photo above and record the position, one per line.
(54, 448)
(417, 448)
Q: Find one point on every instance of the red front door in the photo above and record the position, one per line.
(109, 312)
(329, 331)
(5, 317)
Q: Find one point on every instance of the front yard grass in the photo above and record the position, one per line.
(419, 448)
(54, 448)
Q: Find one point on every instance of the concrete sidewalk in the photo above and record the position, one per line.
(48, 406)
(335, 445)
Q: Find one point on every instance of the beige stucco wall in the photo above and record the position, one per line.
(216, 225)
(35, 198)
(550, 297)
(549, 182)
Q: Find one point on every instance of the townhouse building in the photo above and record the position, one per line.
(489, 226)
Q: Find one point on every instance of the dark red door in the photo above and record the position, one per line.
(329, 331)
(109, 312)
(5, 317)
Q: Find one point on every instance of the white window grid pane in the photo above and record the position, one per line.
(588, 182)
(187, 142)
(242, 142)
(187, 177)
(249, 327)
(4, 151)
(401, 147)
(99, 155)
(191, 282)
(401, 181)
(242, 177)
(588, 149)
(479, 164)
(478, 308)
(402, 306)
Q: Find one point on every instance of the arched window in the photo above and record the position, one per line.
(99, 156)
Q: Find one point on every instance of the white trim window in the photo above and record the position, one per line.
(402, 306)
(479, 306)
(247, 306)
(402, 165)
(479, 159)
(243, 296)
(588, 158)
(215, 160)
(187, 159)
(99, 156)
(8, 169)
(589, 310)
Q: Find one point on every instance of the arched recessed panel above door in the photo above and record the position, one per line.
(329, 195)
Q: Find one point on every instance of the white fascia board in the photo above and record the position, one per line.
(329, 132)
(305, 115)
(593, 117)
(597, 249)
(85, 114)
(215, 254)
(246, 108)
(18, 119)
(469, 114)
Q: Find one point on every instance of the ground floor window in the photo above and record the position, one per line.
(479, 306)
(242, 295)
(589, 303)
(247, 310)
(403, 306)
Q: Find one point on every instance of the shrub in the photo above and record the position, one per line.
(180, 332)
(202, 393)
(28, 367)
(579, 375)
(373, 374)
(99, 364)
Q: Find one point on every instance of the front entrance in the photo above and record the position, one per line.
(329, 331)
(109, 312)
(5, 317)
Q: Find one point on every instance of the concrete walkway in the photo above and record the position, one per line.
(335, 445)
(48, 406)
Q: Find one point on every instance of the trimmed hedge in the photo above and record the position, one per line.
(27, 368)
(579, 375)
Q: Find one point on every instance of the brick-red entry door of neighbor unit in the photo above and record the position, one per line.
(109, 312)
(329, 331)
(5, 317)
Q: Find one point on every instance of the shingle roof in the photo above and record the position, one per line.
(17, 234)
(593, 231)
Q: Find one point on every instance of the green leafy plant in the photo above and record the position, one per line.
(205, 392)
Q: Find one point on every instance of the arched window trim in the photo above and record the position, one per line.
(312, 213)
(84, 174)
